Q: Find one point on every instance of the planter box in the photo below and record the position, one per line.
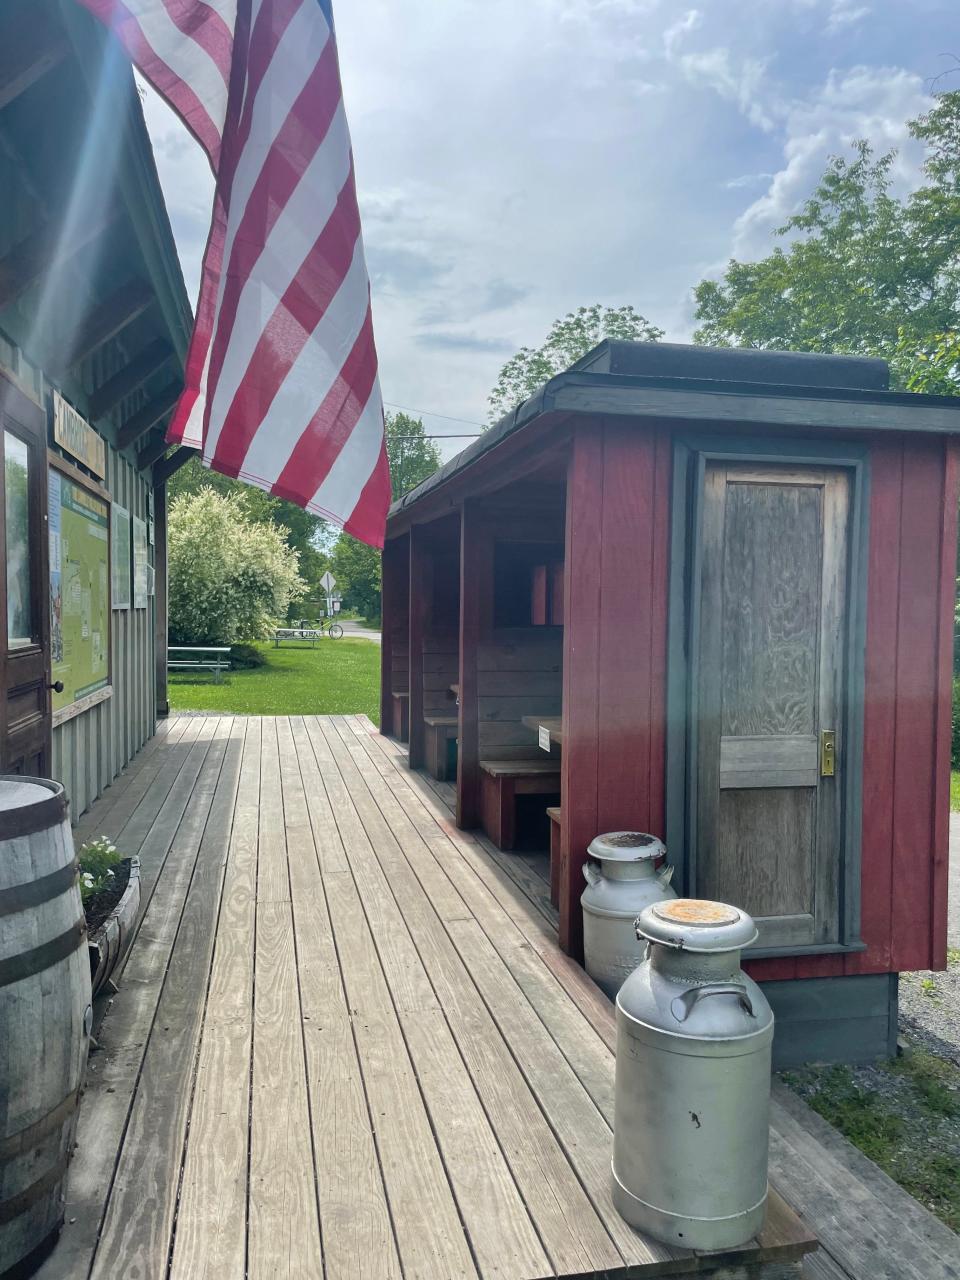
(110, 940)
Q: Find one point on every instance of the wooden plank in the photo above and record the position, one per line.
(944, 699)
(211, 1227)
(105, 320)
(573, 1090)
(148, 415)
(129, 788)
(162, 471)
(581, 675)
(420, 580)
(137, 1226)
(28, 50)
(418, 1190)
(388, 607)
(284, 1227)
(572, 1234)
(476, 597)
(916, 701)
(129, 377)
(112, 1072)
(501, 1234)
(357, 1233)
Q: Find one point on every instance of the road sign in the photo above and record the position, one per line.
(328, 582)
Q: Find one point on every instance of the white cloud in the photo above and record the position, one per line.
(742, 82)
(865, 102)
(843, 14)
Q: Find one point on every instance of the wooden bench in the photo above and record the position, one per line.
(401, 716)
(440, 732)
(553, 814)
(501, 781)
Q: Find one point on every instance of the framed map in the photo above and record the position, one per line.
(120, 557)
(140, 564)
(79, 523)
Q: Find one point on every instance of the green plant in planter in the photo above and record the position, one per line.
(97, 860)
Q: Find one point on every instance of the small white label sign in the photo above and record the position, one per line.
(543, 734)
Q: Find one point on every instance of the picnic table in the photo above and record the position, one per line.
(313, 634)
(552, 724)
(202, 657)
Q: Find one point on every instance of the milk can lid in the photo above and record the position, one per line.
(696, 924)
(626, 846)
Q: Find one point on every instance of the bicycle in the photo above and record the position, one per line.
(331, 629)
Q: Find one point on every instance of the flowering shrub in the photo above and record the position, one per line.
(97, 860)
(230, 576)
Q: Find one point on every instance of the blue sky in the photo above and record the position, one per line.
(519, 158)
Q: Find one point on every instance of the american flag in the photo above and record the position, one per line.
(281, 382)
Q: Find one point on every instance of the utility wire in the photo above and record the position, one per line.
(426, 412)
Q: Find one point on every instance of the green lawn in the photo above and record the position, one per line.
(955, 790)
(335, 678)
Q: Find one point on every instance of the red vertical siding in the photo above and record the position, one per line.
(626, 590)
(948, 580)
(420, 582)
(921, 525)
(879, 710)
(581, 664)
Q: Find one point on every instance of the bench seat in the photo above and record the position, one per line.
(440, 732)
(501, 781)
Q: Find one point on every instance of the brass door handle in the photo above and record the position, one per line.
(828, 753)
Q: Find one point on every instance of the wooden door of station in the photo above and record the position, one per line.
(769, 696)
(25, 707)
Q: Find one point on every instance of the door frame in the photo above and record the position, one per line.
(691, 454)
(25, 419)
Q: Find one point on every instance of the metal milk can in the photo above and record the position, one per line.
(626, 881)
(691, 1111)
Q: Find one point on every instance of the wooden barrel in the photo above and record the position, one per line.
(44, 1013)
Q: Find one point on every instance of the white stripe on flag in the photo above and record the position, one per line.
(293, 236)
(183, 55)
(311, 376)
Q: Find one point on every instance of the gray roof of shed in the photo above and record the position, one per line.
(646, 379)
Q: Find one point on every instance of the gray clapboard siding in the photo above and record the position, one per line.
(91, 749)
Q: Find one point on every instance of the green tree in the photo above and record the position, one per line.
(356, 567)
(231, 576)
(303, 532)
(413, 456)
(569, 339)
(863, 271)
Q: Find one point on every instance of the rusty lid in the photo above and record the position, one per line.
(697, 924)
(627, 846)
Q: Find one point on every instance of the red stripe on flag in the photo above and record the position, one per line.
(289, 329)
(200, 23)
(177, 92)
(329, 429)
(366, 523)
(297, 140)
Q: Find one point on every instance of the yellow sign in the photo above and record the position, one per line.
(75, 434)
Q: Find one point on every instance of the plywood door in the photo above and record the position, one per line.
(770, 676)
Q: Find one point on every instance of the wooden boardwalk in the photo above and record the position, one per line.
(345, 1042)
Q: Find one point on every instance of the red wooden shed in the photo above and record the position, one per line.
(707, 594)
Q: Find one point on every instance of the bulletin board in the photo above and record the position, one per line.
(79, 593)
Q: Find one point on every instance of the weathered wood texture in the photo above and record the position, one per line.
(345, 1043)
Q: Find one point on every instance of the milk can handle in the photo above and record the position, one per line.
(592, 873)
(682, 1006)
(665, 874)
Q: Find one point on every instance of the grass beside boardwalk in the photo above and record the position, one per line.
(955, 790)
(336, 678)
(904, 1115)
